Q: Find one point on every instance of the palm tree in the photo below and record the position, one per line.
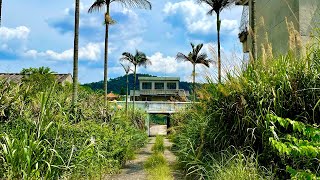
(217, 6)
(139, 59)
(75, 56)
(0, 11)
(195, 57)
(97, 6)
(127, 69)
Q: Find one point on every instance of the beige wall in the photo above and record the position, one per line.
(271, 23)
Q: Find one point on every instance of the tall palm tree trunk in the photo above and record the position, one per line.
(194, 82)
(134, 86)
(219, 47)
(127, 95)
(253, 27)
(75, 57)
(106, 58)
(0, 12)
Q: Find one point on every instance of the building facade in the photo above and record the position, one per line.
(275, 20)
(159, 89)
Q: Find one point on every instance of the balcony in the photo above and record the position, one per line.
(161, 92)
(244, 29)
(157, 107)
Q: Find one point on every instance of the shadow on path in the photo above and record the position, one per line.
(133, 170)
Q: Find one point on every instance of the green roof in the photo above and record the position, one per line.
(159, 78)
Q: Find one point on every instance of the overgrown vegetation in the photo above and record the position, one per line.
(270, 109)
(157, 165)
(40, 138)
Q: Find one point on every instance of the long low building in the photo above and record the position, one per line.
(17, 77)
(159, 89)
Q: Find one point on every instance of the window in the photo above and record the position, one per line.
(159, 85)
(146, 85)
(172, 85)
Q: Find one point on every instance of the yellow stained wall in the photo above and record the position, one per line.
(271, 23)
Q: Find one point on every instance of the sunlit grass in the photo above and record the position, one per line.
(158, 146)
(156, 165)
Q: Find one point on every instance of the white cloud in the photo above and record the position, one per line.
(91, 52)
(21, 32)
(196, 18)
(13, 40)
(164, 64)
(168, 66)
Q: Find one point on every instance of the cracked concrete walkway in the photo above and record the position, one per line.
(133, 170)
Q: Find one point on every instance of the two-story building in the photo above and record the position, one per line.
(272, 18)
(159, 89)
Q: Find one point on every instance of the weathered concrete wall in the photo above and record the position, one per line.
(271, 23)
(309, 15)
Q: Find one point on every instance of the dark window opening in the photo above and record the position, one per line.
(159, 85)
(146, 85)
(171, 85)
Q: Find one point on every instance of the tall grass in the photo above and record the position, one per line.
(40, 139)
(233, 114)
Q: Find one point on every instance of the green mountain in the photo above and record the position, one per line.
(118, 85)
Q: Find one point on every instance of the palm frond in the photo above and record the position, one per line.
(217, 5)
(139, 59)
(203, 59)
(181, 57)
(126, 68)
(143, 4)
(198, 49)
(142, 59)
(126, 56)
(97, 6)
(210, 12)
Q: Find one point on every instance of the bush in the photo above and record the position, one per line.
(40, 138)
(233, 114)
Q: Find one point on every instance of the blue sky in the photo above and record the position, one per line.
(38, 33)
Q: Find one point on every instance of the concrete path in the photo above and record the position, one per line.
(172, 159)
(134, 170)
(158, 130)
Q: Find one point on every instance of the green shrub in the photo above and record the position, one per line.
(41, 140)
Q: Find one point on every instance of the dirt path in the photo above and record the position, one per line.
(134, 170)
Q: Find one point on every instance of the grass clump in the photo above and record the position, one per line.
(236, 167)
(158, 146)
(157, 165)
